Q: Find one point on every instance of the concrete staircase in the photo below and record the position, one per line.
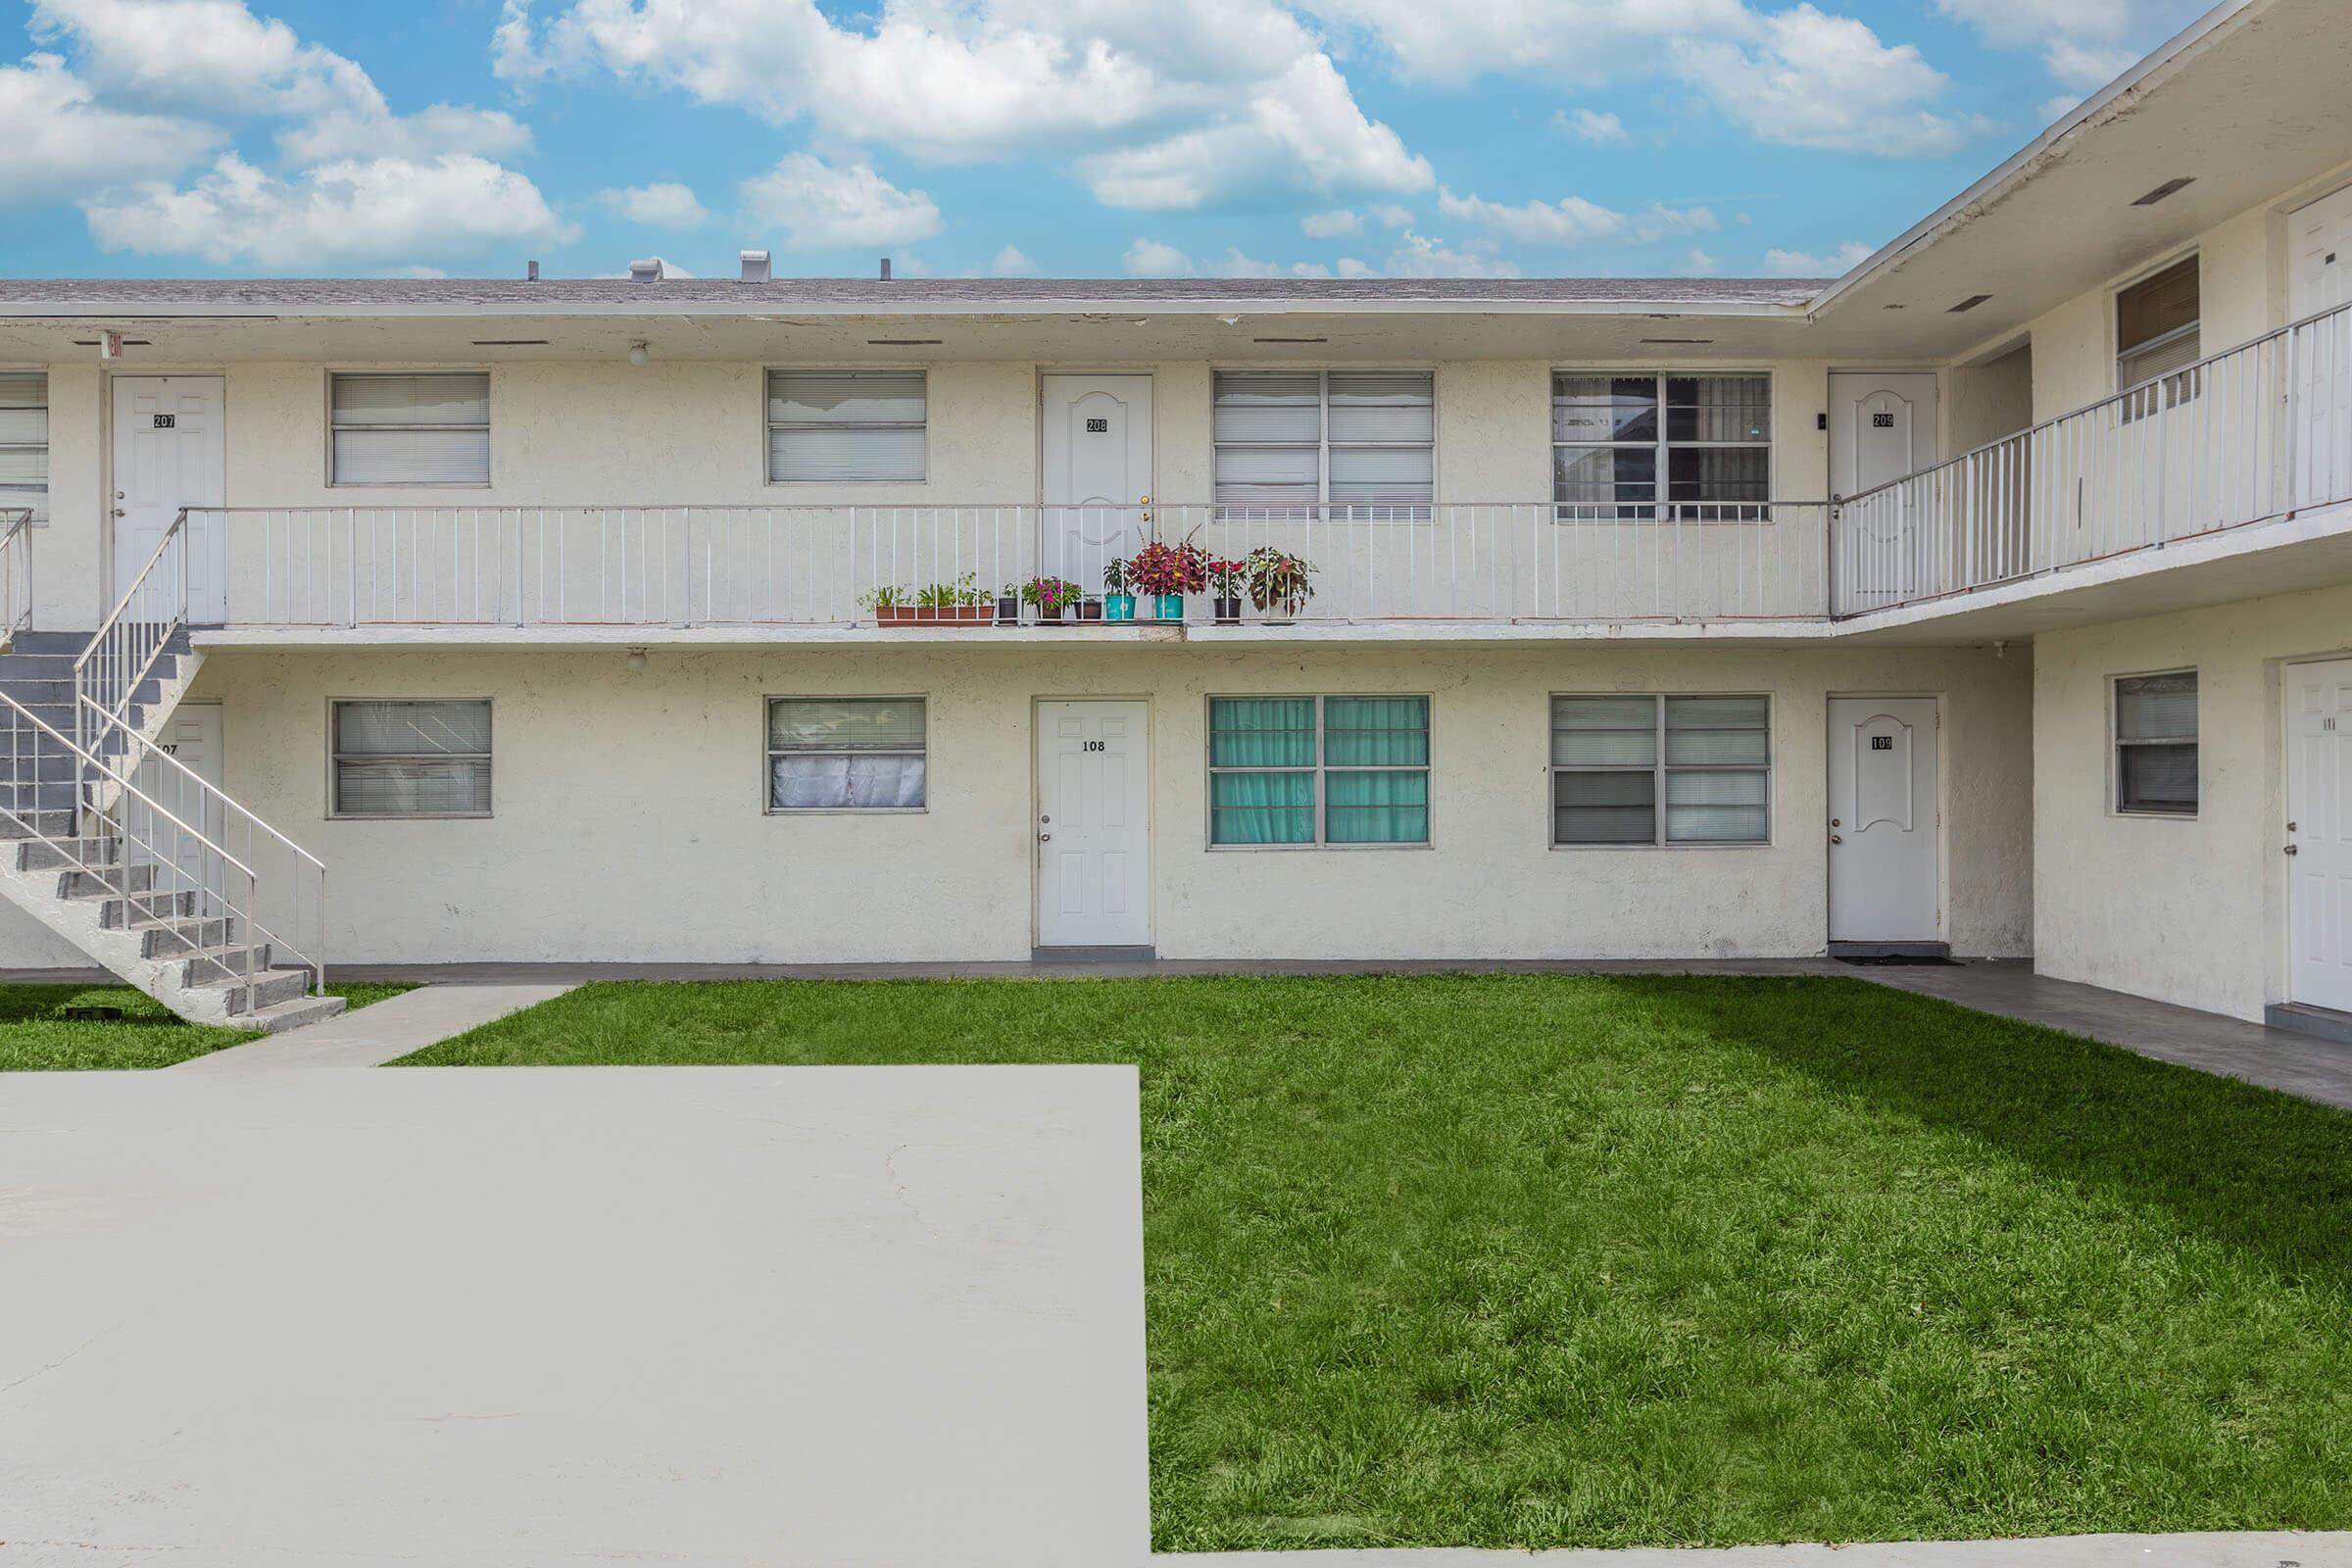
(66, 859)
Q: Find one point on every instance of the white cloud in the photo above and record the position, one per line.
(1148, 257)
(1586, 42)
(2011, 23)
(1804, 263)
(1349, 267)
(378, 213)
(210, 55)
(1823, 82)
(1573, 221)
(1331, 225)
(56, 139)
(2085, 66)
(1699, 264)
(1011, 262)
(1392, 215)
(1420, 256)
(1178, 104)
(665, 203)
(821, 206)
(428, 133)
(1590, 126)
(2085, 43)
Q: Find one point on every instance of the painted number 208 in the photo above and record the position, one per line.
(1092, 746)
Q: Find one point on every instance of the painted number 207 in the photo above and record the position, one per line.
(1092, 746)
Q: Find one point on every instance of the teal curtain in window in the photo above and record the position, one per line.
(1376, 731)
(1262, 732)
(1376, 808)
(1261, 807)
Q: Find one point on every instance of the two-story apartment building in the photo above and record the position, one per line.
(1995, 597)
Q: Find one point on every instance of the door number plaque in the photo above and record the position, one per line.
(165, 421)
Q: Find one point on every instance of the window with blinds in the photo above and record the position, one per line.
(1304, 771)
(1357, 444)
(845, 753)
(25, 445)
(1630, 444)
(2156, 743)
(411, 759)
(845, 426)
(1661, 770)
(2157, 337)
(409, 429)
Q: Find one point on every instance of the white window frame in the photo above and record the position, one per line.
(1323, 507)
(1319, 768)
(769, 753)
(335, 759)
(768, 424)
(1658, 768)
(2178, 386)
(488, 427)
(1660, 508)
(2116, 743)
(11, 499)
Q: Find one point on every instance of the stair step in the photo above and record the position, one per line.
(43, 823)
(280, 1016)
(271, 986)
(170, 939)
(207, 965)
(110, 882)
(42, 855)
(143, 908)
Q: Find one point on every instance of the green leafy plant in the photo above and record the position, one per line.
(1051, 595)
(1116, 573)
(1279, 580)
(888, 596)
(961, 594)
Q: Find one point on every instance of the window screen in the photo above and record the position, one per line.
(25, 446)
(2156, 743)
(411, 430)
(412, 759)
(1661, 770)
(1311, 770)
(2157, 336)
(845, 753)
(1361, 443)
(845, 426)
(1626, 443)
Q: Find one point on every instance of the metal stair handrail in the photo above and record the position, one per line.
(179, 838)
(125, 649)
(305, 869)
(16, 571)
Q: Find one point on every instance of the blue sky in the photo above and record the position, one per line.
(1057, 137)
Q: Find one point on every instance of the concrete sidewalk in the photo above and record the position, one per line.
(2220, 1550)
(377, 1033)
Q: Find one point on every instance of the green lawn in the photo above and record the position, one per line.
(35, 1036)
(1553, 1261)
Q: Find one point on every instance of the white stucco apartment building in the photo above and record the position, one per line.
(1995, 597)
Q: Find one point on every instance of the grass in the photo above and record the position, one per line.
(1566, 1261)
(37, 1036)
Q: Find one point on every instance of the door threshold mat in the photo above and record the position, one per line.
(1900, 960)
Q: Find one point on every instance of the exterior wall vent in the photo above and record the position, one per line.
(1969, 304)
(755, 267)
(647, 270)
(2164, 190)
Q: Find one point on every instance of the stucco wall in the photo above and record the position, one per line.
(2189, 909)
(629, 809)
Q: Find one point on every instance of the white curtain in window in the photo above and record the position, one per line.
(845, 427)
(412, 429)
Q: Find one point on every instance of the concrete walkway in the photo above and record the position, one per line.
(2225, 1549)
(378, 1033)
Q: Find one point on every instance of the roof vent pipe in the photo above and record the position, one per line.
(530, 273)
(885, 268)
(647, 270)
(755, 267)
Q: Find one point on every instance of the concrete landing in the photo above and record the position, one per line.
(807, 1317)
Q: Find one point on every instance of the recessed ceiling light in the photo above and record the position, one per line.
(2164, 190)
(904, 342)
(1289, 340)
(1970, 303)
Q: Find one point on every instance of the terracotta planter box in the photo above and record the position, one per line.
(934, 615)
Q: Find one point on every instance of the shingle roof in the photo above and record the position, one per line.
(423, 296)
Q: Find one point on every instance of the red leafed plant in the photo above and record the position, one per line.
(1178, 569)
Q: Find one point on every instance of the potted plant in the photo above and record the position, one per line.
(1052, 596)
(1278, 580)
(1228, 580)
(1168, 573)
(1117, 602)
(962, 602)
(1009, 607)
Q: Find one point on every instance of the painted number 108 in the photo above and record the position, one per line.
(1092, 746)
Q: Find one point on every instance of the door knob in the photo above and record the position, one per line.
(1045, 838)
(2290, 849)
(1835, 839)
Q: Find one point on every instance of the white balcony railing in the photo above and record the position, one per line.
(783, 566)
(2259, 432)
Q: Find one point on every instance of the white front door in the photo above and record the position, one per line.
(169, 453)
(2320, 279)
(1885, 882)
(1098, 472)
(1093, 824)
(2319, 816)
(1882, 427)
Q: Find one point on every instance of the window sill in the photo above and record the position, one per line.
(410, 817)
(846, 810)
(1676, 849)
(1311, 849)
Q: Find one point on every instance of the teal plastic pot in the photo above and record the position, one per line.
(1119, 607)
(1167, 606)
